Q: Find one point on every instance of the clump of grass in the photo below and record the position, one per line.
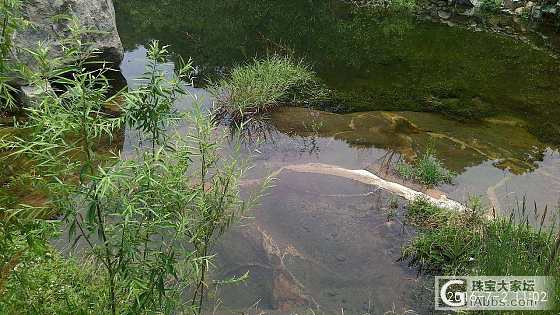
(264, 84)
(405, 170)
(444, 242)
(491, 6)
(467, 243)
(392, 5)
(392, 207)
(422, 213)
(427, 170)
(445, 250)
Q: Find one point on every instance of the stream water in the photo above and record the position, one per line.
(378, 62)
(488, 104)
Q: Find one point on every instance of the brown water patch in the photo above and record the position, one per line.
(496, 158)
(319, 242)
(17, 189)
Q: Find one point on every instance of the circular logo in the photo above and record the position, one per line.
(452, 293)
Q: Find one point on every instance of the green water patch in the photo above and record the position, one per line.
(370, 61)
(504, 140)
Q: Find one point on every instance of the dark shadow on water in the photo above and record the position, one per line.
(371, 61)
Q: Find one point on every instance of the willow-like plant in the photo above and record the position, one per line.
(150, 222)
(60, 147)
(150, 107)
(206, 192)
(11, 20)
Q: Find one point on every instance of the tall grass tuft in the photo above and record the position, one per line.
(453, 243)
(264, 84)
(427, 170)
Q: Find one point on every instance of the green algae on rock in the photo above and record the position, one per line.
(503, 140)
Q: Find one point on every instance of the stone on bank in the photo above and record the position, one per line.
(50, 25)
(47, 27)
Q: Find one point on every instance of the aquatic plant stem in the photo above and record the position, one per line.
(98, 210)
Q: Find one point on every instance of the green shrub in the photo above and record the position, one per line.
(427, 170)
(51, 284)
(149, 222)
(12, 22)
(264, 84)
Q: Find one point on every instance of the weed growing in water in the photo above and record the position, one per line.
(149, 222)
(454, 243)
(392, 207)
(150, 108)
(265, 84)
(428, 170)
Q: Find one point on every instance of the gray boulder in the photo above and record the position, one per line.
(97, 16)
(444, 14)
(468, 3)
(31, 94)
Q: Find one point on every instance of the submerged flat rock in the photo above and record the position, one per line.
(320, 242)
(496, 158)
(503, 140)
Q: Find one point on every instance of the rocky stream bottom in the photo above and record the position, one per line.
(319, 242)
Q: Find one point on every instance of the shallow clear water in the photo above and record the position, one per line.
(385, 62)
(319, 242)
(287, 243)
(374, 63)
(323, 242)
